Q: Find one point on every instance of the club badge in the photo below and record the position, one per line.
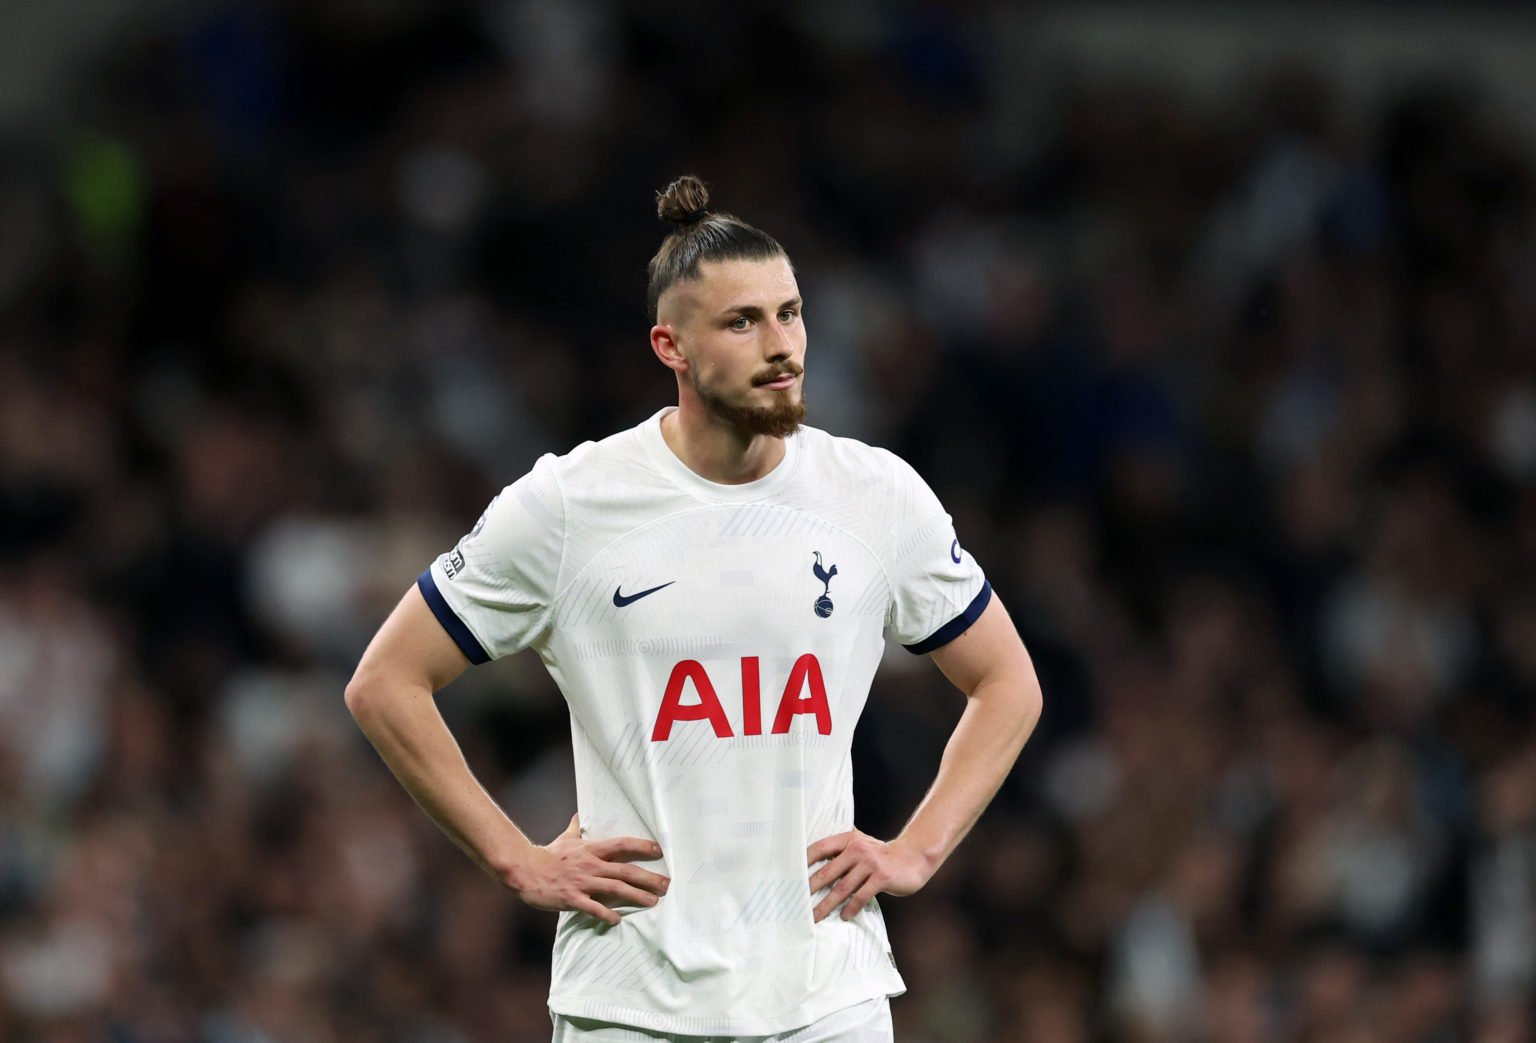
(823, 604)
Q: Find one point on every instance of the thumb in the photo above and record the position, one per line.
(574, 829)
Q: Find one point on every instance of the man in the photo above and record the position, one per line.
(711, 591)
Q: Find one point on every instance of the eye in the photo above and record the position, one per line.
(788, 315)
(741, 322)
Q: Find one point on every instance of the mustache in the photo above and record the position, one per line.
(787, 370)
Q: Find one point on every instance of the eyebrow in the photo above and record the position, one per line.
(752, 310)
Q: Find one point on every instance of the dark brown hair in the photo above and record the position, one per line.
(698, 235)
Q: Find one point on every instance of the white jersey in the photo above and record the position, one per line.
(715, 644)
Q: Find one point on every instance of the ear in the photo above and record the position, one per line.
(664, 344)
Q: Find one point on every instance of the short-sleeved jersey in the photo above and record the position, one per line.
(715, 644)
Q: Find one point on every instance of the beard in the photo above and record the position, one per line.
(779, 420)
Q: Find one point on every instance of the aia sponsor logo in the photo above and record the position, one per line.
(805, 692)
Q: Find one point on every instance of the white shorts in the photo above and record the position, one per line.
(867, 1022)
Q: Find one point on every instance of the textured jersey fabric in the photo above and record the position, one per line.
(715, 645)
(866, 1022)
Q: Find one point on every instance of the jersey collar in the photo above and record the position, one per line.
(697, 485)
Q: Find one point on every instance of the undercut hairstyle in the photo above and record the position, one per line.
(698, 235)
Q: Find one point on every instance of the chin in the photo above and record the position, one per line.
(779, 414)
(779, 420)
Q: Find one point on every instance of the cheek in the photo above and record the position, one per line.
(719, 364)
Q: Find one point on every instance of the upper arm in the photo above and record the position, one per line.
(494, 591)
(989, 651)
(937, 589)
(410, 648)
(489, 596)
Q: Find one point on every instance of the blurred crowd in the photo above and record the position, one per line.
(1234, 397)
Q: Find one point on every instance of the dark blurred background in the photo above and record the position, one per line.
(1214, 326)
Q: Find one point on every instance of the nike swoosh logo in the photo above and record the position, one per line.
(620, 599)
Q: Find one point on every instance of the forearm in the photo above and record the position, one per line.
(404, 725)
(998, 719)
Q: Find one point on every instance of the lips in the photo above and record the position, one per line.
(778, 381)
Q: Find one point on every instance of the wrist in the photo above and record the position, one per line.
(512, 862)
(928, 857)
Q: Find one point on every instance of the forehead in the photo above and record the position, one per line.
(725, 284)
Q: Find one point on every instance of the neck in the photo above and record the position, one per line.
(715, 450)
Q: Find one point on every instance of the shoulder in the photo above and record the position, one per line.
(865, 488)
(542, 490)
(850, 460)
(592, 463)
(598, 490)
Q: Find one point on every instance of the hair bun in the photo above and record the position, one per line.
(683, 202)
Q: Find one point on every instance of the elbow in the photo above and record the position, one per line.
(1014, 703)
(359, 696)
(374, 696)
(1029, 703)
(1034, 703)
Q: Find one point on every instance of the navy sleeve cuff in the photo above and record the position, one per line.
(450, 621)
(957, 626)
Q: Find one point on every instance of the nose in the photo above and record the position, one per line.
(777, 346)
